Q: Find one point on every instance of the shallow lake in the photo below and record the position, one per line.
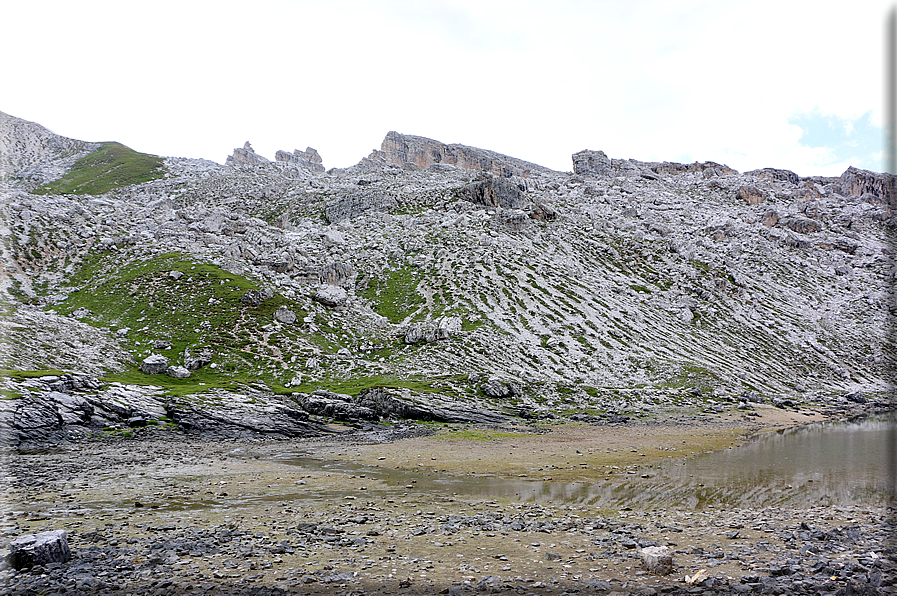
(828, 463)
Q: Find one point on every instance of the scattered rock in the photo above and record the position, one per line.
(154, 365)
(256, 297)
(177, 372)
(285, 315)
(331, 296)
(657, 559)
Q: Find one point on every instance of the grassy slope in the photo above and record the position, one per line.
(202, 310)
(111, 166)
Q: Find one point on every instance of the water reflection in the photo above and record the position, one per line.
(830, 463)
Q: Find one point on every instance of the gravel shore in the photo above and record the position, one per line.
(164, 513)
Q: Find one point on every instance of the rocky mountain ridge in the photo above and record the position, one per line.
(453, 278)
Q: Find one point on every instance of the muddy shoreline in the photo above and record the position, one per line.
(167, 513)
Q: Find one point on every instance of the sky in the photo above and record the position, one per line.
(795, 85)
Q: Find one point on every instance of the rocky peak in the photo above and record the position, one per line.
(245, 156)
(309, 159)
(420, 152)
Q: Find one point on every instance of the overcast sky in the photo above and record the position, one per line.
(795, 85)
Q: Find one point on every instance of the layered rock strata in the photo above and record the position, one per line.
(421, 152)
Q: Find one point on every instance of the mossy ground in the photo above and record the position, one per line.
(111, 166)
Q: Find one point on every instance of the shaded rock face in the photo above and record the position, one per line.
(309, 159)
(750, 194)
(242, 415)
(399, 149)
(338, 274)
(855, 181)
(29, 420)
(338, 406)
(245, 156)
(494, 192)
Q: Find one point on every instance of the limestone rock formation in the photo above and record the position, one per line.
(245, 156)
(596, 164)
(309, 159)
(399, 149)
(883, 187)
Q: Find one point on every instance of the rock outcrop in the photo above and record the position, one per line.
(357, 204)
(245, 157)
(490, 191)
(403, 403)
(596, 164)
(883, 187)
(309, 159)
(399, 149)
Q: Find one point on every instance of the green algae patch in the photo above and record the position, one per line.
(477, 435)
(111, 166)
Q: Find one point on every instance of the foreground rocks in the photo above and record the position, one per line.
(138, 525)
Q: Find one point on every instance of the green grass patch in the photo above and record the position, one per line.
(394, 295)
(356, 385)
(111, 166)
(21, 375)
(9, 394)
(200, 311)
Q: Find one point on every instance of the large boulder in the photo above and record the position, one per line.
(332, 296)
(39, 549)
(154, 365)
(256, 297)
(284, 315)
(592, 163)
(440, 329)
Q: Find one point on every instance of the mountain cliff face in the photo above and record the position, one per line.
(454, 279)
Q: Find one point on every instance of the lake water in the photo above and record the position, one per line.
(828, 463)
